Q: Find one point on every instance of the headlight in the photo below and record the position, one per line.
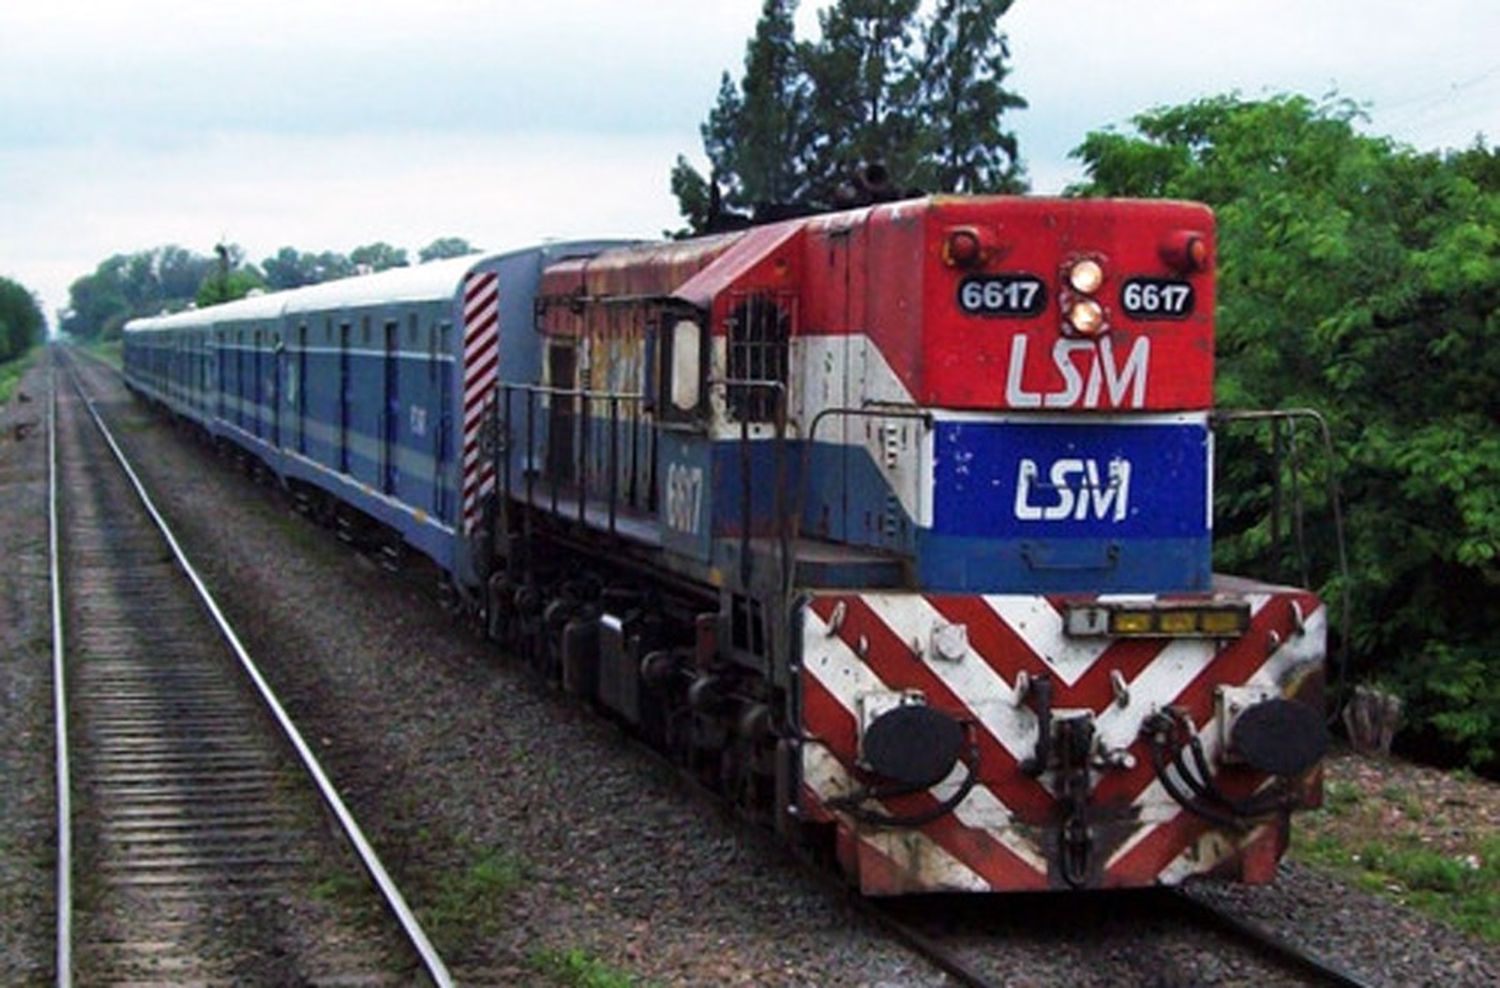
(1086, 317)
(1086, 276)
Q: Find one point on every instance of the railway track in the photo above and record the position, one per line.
(192, 815)
(1120, 923)
(978, 957)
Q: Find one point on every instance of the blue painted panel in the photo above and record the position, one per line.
(366, 404)
(1086, 506)
(986, 565)
(1013, 480)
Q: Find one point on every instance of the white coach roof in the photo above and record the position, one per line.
(420, 283)
(252, 307)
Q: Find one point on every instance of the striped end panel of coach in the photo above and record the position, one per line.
(481, 371)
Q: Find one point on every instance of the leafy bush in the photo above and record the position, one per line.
(1361, 279)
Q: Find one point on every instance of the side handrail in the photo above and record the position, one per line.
(1291, 416)
(778, 390)
(583, 399)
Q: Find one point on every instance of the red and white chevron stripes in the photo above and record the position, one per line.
(481, 371)
(1003, 835)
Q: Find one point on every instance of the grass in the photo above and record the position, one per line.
(1352, 836)
(342, 888)
(1339, 798)
(1406, 800)
(108, 351)
(576, 968)
(470, 904)
(12, 371)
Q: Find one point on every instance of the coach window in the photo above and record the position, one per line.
(759, 330)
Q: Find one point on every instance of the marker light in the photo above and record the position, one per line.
(1086, 317)
(1216, 619)
(1177, 622)
(1086, 276)
(962, 249)
(1186, 251)
(1225, 622)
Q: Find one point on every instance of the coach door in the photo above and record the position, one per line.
(221, 371)
(297, 396)
(257, 386)
(345, 339)
(442, 371)
(390, 422)
(277, 384)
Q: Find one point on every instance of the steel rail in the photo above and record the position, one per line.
(59, 702)
(394, 900)
(1270, 943)
(922, 944)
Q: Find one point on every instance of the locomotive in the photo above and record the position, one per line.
(893, 524)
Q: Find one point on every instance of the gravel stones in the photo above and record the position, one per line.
(27, 802)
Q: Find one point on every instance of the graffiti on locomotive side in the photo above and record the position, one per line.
(1075, 489)
(684, 497)
(1123, 382)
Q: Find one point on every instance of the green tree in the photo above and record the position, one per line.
(123, 286)
(444, 247)
(290, 268)
(378, 256)
(97, 306)
(865, 83)
(230, 279)
(21, 322)
(964, 100)
(695, 200)
(924, 99)
(755, 135)
(1363, 279)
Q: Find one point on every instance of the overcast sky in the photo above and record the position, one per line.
(134, 123)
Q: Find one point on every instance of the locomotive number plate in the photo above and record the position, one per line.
(1002, 295)
(1157, 298)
